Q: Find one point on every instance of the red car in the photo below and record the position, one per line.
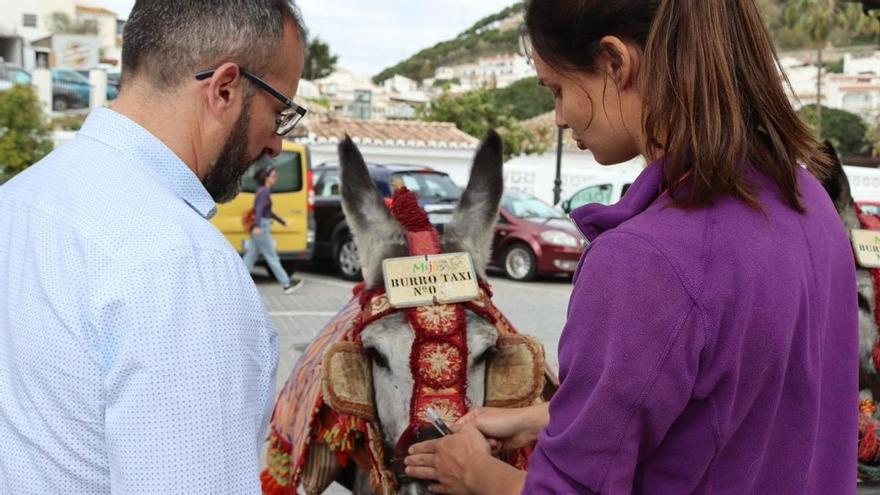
(533, 238)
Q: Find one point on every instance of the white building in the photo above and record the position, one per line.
(858, 94)
(498, 71)
(109, 31)
(802, 77)
(24, 22)
(353, 95)
(400, 84)
(861, 63)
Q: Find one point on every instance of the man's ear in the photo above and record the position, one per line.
(225, 89)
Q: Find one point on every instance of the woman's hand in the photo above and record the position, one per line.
(462, 463)
(257, 232)
(508, 429)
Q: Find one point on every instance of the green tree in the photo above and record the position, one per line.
(62, 23)
(319, 60)
(25, 137)
(475, 112)
(845, 130)
(525, 99)
(818, 22)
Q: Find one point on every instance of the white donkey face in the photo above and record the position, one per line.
(379, 236)
(388, 343)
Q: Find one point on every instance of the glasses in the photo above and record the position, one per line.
(289, 117)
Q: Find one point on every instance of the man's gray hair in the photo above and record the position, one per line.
(168, 41)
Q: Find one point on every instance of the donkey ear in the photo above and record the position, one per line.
(836, 183)
(473, 221)
(376, 233)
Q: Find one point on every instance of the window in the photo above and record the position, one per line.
(289, 168)
(427, 185)
(328, 184)
(29, 20)
(525, 206)
(595, 194)
(857, 101)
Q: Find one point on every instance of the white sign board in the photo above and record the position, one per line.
(433, 279)
(866, 244)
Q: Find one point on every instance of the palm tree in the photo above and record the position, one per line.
(820, 21)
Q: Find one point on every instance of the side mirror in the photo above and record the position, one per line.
(566, 206)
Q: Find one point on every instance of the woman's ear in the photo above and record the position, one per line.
(621, 61)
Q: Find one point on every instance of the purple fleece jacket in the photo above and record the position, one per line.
(707, 351)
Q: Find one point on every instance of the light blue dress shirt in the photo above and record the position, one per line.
(135, 353)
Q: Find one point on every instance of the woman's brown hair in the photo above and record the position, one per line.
(711, 87)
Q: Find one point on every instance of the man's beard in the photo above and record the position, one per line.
(223, 182)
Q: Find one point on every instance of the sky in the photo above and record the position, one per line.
(371, 35)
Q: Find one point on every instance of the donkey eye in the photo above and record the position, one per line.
(377, 357)
(488, 354)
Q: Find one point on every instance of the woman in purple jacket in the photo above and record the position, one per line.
(711, 340)
(261, 238)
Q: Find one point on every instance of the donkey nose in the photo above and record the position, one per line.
(426, 433)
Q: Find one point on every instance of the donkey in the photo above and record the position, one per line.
(378, 236)
(837, 186)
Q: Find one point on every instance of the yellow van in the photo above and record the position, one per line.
(293, 199)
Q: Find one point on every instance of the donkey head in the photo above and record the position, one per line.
(837, 186)
(378, 235)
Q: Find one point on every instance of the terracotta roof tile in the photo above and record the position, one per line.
(94, 10)
(400, 133)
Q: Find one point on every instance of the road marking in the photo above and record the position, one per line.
(302, 313)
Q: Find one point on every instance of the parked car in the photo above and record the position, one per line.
(113, 78)
(70, 89)
(604, 190)
(533, 238)
(437, 193)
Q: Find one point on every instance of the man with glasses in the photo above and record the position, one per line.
(136, 355)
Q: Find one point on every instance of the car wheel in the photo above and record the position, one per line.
(60, 104)
(347, 260)
(520, 263)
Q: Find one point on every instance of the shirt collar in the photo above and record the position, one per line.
(126, 136)
(594, 219)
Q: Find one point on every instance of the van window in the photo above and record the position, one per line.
(289, 167)
(328, 184)
(594, 194)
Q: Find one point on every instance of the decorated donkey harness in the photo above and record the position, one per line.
(325, 417)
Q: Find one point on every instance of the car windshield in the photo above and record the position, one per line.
(428, 185)
(525, 206)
